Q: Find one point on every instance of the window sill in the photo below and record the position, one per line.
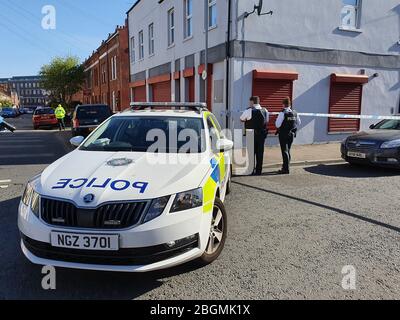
(350, 29)
(171, 46)
(151, 55)
(188, 38)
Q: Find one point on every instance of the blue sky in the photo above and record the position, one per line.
(81, 25)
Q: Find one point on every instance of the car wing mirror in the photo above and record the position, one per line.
(76, 141)
(224, 145)
(372, 126)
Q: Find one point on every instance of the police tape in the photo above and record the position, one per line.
(344, 116)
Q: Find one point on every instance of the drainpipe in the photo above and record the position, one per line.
(228, 55)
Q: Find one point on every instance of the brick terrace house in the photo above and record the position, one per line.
(107, 73)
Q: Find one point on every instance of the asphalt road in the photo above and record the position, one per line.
(289, 238)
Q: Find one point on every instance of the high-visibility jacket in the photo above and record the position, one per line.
(60, 113)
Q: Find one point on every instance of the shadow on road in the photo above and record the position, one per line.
(19, 279)
(352, 171)
(324, 206)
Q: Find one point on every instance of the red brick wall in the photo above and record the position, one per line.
(101, 91)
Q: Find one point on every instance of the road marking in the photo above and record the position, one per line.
(4, 186)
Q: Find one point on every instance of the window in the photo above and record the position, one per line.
(133, 50)
(151, 39)
(212, 13)
(171, 27)
(103, 74)
(188, 23)
(141, 46)
(350, 15)
(114, 68)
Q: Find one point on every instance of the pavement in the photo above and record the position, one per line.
(304, 155)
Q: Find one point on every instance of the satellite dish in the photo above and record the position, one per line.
(260, 7)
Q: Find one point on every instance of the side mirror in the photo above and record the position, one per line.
(224, 145)
(76, 141)
(372, 126)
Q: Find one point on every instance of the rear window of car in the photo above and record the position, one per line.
(44, 111)
(93, 112)
(388, 125)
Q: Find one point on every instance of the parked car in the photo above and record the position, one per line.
(44, 117)
(107, 206)
(8, 112)
(378, 146)
(86, 118)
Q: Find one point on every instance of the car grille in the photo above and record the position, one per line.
(122, 257)
(108, 216)
(361, 145)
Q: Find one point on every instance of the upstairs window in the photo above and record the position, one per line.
(114, 68)
(151, 39)
(350, 15)
(212, 13)
(133, 50)
(188, 27)
(141, 46)
(171, 27)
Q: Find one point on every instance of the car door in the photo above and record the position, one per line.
(215, 133)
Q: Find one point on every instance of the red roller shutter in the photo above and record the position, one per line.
(191, 89)
(162, 91)
(271, 93)
(139, 94)
(345, 98)
(272, 87)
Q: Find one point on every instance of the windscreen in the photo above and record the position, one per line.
(44, 111)
(388, 125)
(149, 134)
(93, 112)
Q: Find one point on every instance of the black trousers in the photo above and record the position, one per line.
(61, 124)
(286, 141)
(259, 147)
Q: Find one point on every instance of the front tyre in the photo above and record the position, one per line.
(217, 235)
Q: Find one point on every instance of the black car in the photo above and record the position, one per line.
(86, 118)
(378, 146)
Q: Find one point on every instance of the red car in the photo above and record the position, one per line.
(44, 117)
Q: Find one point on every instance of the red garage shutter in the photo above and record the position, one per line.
(162, 91)
(345, 98)
(139, 94)
(272, 87)
(191, 89)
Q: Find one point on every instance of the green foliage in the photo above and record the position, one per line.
(5, 103)
(63, 77)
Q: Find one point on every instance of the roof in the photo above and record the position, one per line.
(134, 5)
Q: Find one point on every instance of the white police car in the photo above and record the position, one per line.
(143, 192)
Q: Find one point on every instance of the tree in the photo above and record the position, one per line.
(63, 77)
(5, 103)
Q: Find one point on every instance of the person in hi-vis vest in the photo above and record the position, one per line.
(60, 115)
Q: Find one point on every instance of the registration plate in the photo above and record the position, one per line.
(356, 155)
(85, 241)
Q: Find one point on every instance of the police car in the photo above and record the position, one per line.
(144, 191)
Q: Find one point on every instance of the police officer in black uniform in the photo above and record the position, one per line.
(287, 124)
(256, 118)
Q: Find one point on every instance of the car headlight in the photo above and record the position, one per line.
(157, 207)
(391, 144)
(31, 198)
(188, 200)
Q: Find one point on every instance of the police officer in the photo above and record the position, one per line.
(287, 123)
(256, 118)
(60, 115)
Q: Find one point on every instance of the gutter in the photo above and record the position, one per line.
(228, 56)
